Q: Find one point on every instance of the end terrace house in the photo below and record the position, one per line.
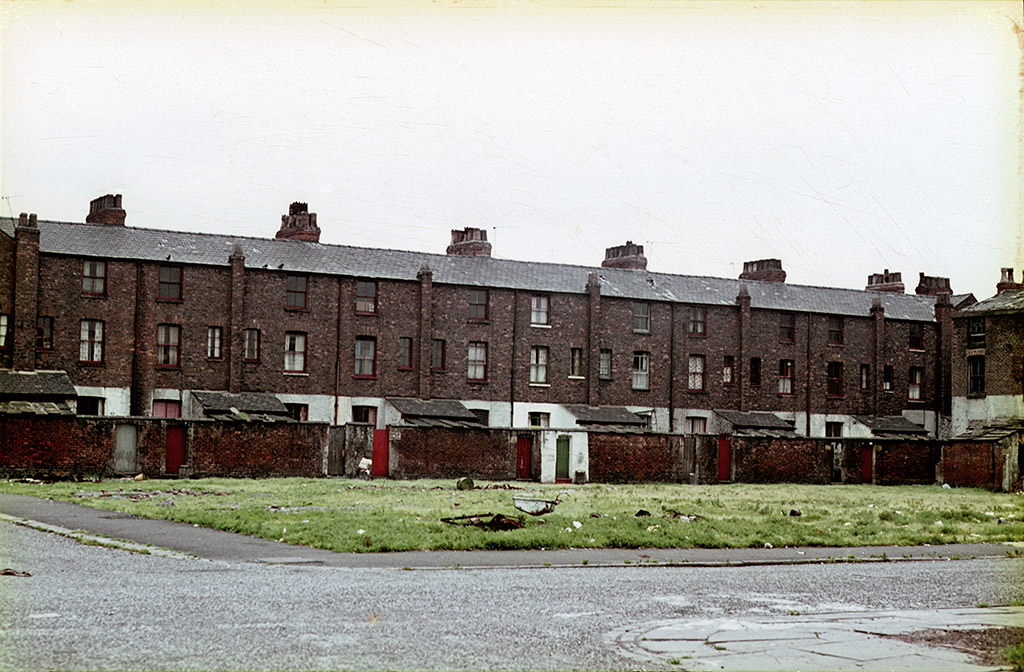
(142, 319)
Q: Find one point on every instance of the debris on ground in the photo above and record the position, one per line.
(464, 483)
(140, 477)
(795, 512)
(487, 521)
(7, 571)
(642, 512)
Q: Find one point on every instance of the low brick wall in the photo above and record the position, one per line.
(631, 458)
(907, 463)
(70, 446)
(972, 464)
(779, 460)
(440, 452)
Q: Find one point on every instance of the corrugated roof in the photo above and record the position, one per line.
(246, 402)
(1006, 301)
(116, 242)
(436, 408)
(28, 384)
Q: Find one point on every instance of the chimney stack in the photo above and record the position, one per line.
(886, 282)
(1006, 281)
(629, 256)
(470, 242)
(106, 210)
(299, 224)
(933, 286)
(767, 270)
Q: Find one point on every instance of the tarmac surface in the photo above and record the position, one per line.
(844, 637)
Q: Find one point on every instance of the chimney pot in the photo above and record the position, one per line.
(106, 210)
(299, 224)
(470, 242)
(1006, 281)
(767, 270)
(629, 256)
(886, 282)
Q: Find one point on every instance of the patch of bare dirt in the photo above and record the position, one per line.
(986, 645)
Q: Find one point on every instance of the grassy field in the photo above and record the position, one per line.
(385, 515)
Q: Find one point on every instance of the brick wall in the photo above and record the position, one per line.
(627, 458)
(1003, 352)
(778, 460)
(418, 452)
(909, 462)
(68, 446)
(972, 464)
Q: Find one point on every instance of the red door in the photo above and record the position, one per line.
(524, 449)
(724, 458)
(380, 453)
(175, 451)
(866, 455)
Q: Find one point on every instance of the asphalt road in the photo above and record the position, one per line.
(92, 607)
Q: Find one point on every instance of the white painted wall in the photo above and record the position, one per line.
(117, 401)
(986, 408)
(579, 455)
(321, 406)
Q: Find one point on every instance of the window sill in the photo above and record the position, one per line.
(836, 345)
(689, 391)
(296, 373)
(362, 377)
(477, 381)
(540, 326)
(405, 368)
(916, 350)
(605, 379)
(92, 363)
(579, 378)
(366, 313)
(645, 332)
(93, 296)
(540, 384)
(168, 367)
(250, 361)
(296, 309)
(640, 389)
(215, 359)
(159, 300)
(476, 321)
(785, 395)
(976, 395)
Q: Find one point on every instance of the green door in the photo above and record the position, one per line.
(562, 458)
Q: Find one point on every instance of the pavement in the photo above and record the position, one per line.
(844, 640)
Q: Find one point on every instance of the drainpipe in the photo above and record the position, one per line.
(512, 366)
(807, 377)
(672, 369)
(337, 354)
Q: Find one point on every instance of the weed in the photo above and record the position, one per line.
(1015, 657)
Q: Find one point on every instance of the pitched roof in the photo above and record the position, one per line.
(436, 408)
(1006, 301)
(890, 424)
(755, 420)
(26, 385)
(604, 415)
(116, 242)
(246, 402)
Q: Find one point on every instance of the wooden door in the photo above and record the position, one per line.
(562, 459)
(175, 451)
(126, 449)
(724, 458)
(867, 454)
(380, 453)
(524, 457)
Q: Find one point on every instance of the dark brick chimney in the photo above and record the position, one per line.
(767, 270)
(106, 210)
(470, 242)
(629, 255)
(299, 224)
(1006, 281)
(886, 282)
(933, 286)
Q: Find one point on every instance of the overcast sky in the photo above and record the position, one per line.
(842, 138)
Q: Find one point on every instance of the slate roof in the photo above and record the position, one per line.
(115, 242)
(991, 430)
(603, 415)
(891, 424)
(246, 402)
(35, 408)
(1006, 301)
(755, 420)
(436, 408)
(28, 385)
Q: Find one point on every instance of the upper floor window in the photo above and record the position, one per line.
(168, 345)
(539, 364)
(478, 304)
(887, 376)
(94, 278)
(865, 376)
(917, 337)
(835, 379)
(641, 317)
(214, 340)
(576, 362)
(295, 292)
(44, 333)
(976, 375)
(294, 352)
(785, 376)
(539, 310)
(366, 296)
(976, 332)
(166, 408)
(5, 330)
(170, 283)
(755, 371)
(605, 364)
(405, 352)
(437, 354)
(835, 330)
(787, 327)
(695, 380)
(477, 361)
(366, 357)
(90, 345)
(252, 345)
(641, 370)
(698, 320)
(729, 370)
(914, 389)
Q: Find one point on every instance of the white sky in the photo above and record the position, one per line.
(842, 138)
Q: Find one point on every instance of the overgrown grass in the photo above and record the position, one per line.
(385, 515)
